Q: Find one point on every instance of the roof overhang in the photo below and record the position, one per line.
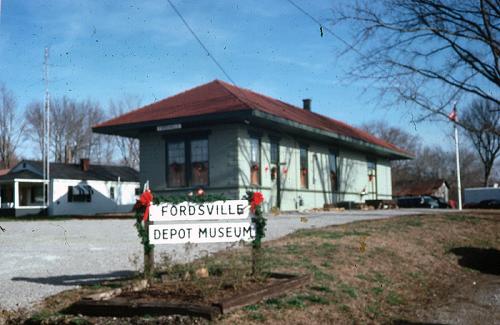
(257, 118)
(279, 123)
(134, 130)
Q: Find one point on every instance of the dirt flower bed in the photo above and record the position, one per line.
(202, 291)
(383, 271)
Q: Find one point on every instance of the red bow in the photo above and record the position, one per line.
(257, 199)
(145, 200)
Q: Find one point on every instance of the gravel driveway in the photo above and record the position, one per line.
(41, 258)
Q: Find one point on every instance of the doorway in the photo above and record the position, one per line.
(275, 174)
(334, 174)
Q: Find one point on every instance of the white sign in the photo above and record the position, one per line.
(190, 211)
(168, 127)
(201, 233)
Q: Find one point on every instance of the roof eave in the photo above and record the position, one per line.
(360, 144)
(133, 130)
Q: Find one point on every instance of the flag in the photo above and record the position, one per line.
(453, 114)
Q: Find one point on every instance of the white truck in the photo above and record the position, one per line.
(478, 194)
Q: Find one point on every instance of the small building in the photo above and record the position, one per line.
(437, 187)
(74, 189)
(228, 140)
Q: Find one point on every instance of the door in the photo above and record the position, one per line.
(334, 175)
(275, 174)
(372, 178)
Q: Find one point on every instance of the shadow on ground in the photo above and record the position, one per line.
(480, 259)
(76, 279)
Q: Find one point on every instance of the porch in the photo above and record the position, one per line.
(20, 197)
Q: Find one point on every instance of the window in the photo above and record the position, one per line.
(372, 177)
(80, 193)
(334, 171)
(112, 193)
(254, 161)
(274, 152)
(187, 163)
(138, 191)
(199, 162)
(372, 169)
(304, 179)
(176, 164)
(274, 160)
(37, 194)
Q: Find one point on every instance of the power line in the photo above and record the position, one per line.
(322, 27)
(201, 43)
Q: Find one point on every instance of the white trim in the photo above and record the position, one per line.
(23, 180)
(28, 180)
(31, 207)
(16, 194)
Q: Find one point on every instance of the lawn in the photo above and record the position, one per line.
(364, 272)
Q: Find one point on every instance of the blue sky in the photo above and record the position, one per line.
(106, 50)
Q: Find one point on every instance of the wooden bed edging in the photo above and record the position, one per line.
(108, 306)
(137, 285)
(119, 307)
(253, 296)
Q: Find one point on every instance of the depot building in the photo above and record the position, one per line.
(229, 140)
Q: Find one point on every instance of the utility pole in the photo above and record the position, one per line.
(453, 116)
(457, 154)
(46, 132)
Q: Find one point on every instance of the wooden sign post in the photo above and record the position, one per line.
(142, 225)
(199, 221)
(149, 254)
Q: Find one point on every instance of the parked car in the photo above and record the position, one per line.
(485, 204)
(418, 202)
(442, 203)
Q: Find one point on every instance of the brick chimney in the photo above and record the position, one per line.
(306, 104)
(85, 164)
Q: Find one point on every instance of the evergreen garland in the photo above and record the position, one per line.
(141, 230)
(258, 219)
(254, 199)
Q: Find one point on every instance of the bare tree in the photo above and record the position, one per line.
(34, 124)
(71, 136)
(394, 135)
(430, 162)
(101, 147)
(127, 147)
(11, 128)
(480, 119)
(427, 53)
(402, 139)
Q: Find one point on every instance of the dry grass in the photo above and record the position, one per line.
(364, 272)
(372, 272)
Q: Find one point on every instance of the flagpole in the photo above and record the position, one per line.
(459, 185)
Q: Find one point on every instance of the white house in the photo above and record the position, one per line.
(74, 189)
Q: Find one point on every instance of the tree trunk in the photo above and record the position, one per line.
(487, 171)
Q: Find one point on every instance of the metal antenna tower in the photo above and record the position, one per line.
(46, 132)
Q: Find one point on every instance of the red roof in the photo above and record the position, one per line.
(219, 97)
(422, 187)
